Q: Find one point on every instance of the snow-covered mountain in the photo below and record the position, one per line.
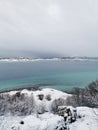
(27, 59)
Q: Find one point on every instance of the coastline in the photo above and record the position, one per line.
(48, 59)
(22, 88)
(35, 88)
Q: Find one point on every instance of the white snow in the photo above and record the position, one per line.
(22, 59)
(26, 59)
(46, 121)
(54, 94)
(87, 118)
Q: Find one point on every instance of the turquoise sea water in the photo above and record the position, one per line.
(62, 75)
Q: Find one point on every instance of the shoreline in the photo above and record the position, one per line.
(33, 88)
(48, 59)
(22, 88)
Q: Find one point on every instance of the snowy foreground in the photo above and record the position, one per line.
(43, 115)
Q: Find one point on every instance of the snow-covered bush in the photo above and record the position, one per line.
(40, 108)
(18, 103)
(56, 103)
(85, 97)
(48, 97)
(40, 96)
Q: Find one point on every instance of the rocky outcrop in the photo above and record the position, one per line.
(68, 113)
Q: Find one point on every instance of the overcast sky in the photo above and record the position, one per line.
(54, 27)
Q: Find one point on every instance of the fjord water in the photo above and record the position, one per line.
(58, 74)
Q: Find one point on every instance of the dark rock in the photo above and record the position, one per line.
(22, 122)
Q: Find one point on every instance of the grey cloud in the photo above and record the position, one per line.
(52, 26)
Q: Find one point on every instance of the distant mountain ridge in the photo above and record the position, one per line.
(46, 58)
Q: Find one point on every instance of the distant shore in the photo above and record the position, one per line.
(27, 59)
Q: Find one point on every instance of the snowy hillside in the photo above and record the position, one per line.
(43, 110)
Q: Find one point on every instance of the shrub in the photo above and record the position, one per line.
(48, 97)
(18, 103)
(40, 96)
(56, 103)
(85, 97)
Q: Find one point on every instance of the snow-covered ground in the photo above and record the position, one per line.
(46, 121)
(87, 118)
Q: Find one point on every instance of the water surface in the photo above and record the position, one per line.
(60, 74)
